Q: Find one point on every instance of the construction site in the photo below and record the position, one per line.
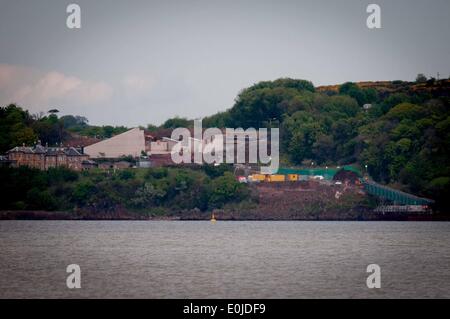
(329, 193)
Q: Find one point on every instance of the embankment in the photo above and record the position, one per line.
(310, 200)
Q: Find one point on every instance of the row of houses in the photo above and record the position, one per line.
(43, 157)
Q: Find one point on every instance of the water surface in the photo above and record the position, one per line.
(164, 259)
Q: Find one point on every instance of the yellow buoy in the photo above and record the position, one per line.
(213, 218)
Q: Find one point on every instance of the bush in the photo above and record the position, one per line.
(61, 174)
(157, 173)
(126, 175)
(40, 200)
(83, 191)
(226, 189)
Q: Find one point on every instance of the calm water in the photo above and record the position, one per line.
(226, 260)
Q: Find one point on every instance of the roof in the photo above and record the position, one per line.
(54, 151)
(40, 149)
(89, 162)
(23, 149)
(71, 151)
(131, 142)
(51, 151)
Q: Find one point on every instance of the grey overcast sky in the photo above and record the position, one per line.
(136, 62)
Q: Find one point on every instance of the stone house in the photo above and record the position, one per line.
(43, 158)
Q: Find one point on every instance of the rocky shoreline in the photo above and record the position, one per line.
(311, 201)
(220, 215)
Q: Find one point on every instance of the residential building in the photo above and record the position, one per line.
(43, 158)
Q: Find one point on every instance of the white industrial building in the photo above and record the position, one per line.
(131, 142)
(135, 142)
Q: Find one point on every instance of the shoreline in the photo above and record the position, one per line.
(61, 215)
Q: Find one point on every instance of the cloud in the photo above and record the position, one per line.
(34, 88)
(138, 84)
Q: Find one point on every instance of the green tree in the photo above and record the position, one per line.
(225, 189)
(177, 122)
(420, 78)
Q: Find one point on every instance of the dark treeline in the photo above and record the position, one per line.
(18, 126)
(156, 191)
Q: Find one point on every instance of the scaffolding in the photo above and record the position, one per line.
(394, 195)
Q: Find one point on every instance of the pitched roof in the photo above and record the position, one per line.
(39, 149)
(51, 151)
(54, 151)
(23, 149)
(71, 151)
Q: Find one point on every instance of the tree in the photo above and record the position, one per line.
(82, 192)
(40, 200)
(70, 121)
(147, 195)
(15, 127)
(152, 128)
(362, 96)
(177, 122)
(421, 78)
(225, 189)
(108, 131)
(324, 149)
